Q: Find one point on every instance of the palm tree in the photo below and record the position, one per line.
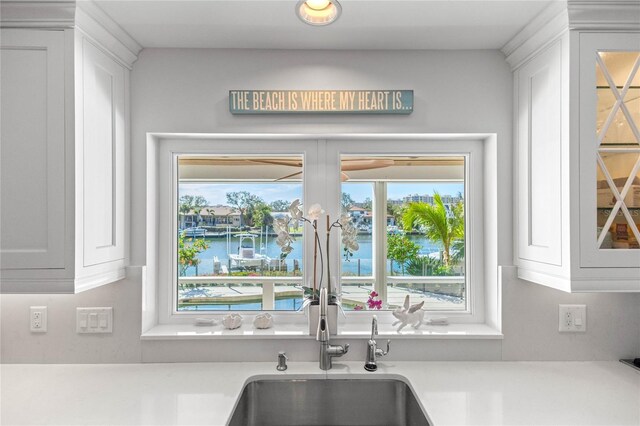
(184, 210)
(196, 211)
(438, 224)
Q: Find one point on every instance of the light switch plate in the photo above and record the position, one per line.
(572, 318)
(94, 320)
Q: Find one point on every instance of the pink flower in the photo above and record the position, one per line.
(372, 303)
(357, 308)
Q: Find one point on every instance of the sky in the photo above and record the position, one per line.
(395, 191)
(215, 193)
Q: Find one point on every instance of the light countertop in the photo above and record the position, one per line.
(452, 393)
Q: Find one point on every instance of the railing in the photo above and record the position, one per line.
(268, 284)
(453, 286)
(439, 292)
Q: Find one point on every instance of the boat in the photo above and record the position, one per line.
(247, 258)
(364, 229)
(194, 232)
(394, 230)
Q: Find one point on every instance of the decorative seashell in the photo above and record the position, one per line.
(232, 321)
(262, 321)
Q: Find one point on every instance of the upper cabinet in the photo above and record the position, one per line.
(33, 141)
(65, 132)
(610, 140)
(577, 149)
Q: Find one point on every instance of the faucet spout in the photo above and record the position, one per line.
(373, 352)
(327, 351)
(323, 334)
(374, 327)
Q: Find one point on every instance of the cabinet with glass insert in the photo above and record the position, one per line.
(610, 153)
(578, 149)
(618, 156)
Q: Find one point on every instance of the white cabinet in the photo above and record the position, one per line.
(610, 150)
(539, 113)
(32, 184)
(100, 90)
(64, 162)
(577, 153)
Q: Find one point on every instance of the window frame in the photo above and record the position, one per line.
(322, 178)
(473, 150)
(169, 151)
(380, 274)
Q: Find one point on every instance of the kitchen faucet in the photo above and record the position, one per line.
(327, 351)
(372, 348)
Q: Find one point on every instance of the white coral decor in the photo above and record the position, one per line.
(232, 321)
(262, 321)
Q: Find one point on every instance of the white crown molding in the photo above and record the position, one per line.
(546, 27)
(98, 26)
(599, 15)
(83, 15)
(37, 14)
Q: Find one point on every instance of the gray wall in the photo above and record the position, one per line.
(185, 90)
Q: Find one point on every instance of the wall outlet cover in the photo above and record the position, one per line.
(38, 319)
(572, 318)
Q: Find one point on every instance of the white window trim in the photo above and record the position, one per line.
(158, 306)
(169, 152)
(472, 150)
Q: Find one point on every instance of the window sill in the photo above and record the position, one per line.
(300, 331)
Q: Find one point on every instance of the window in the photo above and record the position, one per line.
(411, 211)
(227, 256)
(221, 253)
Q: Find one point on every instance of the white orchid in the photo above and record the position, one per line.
(349, 235)
(315, 211)
(344, 219)
(283, 239)
(294, 210)
(281, 225)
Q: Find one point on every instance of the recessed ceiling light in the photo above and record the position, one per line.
(318, 12)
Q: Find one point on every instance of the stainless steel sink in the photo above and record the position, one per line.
(328, 402)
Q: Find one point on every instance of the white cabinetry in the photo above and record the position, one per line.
(32, 184)
(573, 146)
(101, 90)
(65, 131)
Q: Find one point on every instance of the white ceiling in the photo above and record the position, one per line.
(267, 24)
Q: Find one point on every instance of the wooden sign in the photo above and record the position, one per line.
(321, 101)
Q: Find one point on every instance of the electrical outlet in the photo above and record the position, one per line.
(572, 318)
(94, 320)
(38, 319)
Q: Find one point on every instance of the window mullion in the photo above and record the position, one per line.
(380, 239)
(268, 296)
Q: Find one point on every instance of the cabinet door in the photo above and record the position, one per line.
(610, 150)
(33, 150)
(100, 157)
(539, 158)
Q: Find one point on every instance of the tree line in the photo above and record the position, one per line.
(254, 211)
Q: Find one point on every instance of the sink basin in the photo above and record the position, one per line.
(328, 402)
